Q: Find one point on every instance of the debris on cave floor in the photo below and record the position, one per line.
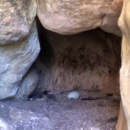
(60, 113)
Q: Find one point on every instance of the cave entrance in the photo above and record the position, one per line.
(89, 63)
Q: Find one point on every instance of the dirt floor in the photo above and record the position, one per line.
(60, 113)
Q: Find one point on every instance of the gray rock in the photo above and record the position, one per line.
(28, 85)
(15, 61)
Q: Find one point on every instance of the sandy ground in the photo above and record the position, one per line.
(59, 113)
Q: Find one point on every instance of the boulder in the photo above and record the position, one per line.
(110, 20)
(28, 85)
(74, 16)
(15, 61)
(16, 18)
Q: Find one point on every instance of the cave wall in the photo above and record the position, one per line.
(86, 61)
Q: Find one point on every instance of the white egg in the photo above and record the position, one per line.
(74, 95)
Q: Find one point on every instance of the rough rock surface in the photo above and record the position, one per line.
(28, 85)
(110, 20)
(45, 79)
(124, 24)
(86, 61)
(15, 61)
(121, 124)
(74, 16)
(16, 17)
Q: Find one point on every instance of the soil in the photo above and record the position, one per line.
(57, 112)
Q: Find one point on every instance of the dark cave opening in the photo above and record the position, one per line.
(88, 61)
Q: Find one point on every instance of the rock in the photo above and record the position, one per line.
(73, 95)
(16, 18)
(110, 20)
(45, 82)
(74, 16)
(121, 124)
(15, 61)
(29, 83)
(124, 24)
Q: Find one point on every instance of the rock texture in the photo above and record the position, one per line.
(74, 16)
(121, 124)
(110, 20)
(86, 61)
(28, 85)
(124, 24)
(15, 61)
(45, 79)
(16, 17)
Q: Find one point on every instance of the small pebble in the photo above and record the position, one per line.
(73, 95)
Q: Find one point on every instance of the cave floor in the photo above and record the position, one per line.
(59, 113)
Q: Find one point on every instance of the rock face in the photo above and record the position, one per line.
(121, 124)
(86, 61)
(110, 20)
(124, 23)
(15, 61)
(16, 18)
(28, 85)
(74, 16)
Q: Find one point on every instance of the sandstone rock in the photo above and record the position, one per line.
(117, 6)
(16, 17)
(28, 85)
(15, 61)
(121, 124)
(110, 20)
(124, 24)
(74, 16)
